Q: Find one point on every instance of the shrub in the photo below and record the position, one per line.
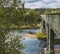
(41, 35)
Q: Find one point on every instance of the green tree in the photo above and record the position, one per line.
(32, 17)
(47, 11)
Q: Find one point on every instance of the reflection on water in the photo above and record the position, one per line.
(31, 45)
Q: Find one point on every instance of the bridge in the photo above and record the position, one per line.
(51, 26)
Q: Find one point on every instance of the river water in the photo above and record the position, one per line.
(31, 45)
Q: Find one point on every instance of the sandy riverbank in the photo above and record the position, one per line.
(28, 35)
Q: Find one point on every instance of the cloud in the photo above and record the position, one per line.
(53, 5)
(31, 1)
(42, 4)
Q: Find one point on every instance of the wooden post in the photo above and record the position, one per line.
(51, 41)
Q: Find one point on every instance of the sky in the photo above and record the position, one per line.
(42, 4)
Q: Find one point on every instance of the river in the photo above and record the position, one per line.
(31, 45)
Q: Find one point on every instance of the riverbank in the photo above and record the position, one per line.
(28, 35)
(26, 27)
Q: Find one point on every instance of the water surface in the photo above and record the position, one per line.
(31, 45)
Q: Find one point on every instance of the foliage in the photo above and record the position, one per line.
(41, 10)
(32, 17)
(48, 11)
(8, 17)
(3, 32)
(10, 43)
(17, 17)
(13, 44)
(41, 35)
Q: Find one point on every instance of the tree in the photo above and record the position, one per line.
(13, 45)
(47, 11)
(7, 17)
(32, 17)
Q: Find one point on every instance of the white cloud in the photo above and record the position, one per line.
(42, 4)
(54, 5)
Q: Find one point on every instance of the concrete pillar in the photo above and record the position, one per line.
(46, 51)
(47, 33)
(51, 41)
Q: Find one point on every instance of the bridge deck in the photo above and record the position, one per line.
(54, 21)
